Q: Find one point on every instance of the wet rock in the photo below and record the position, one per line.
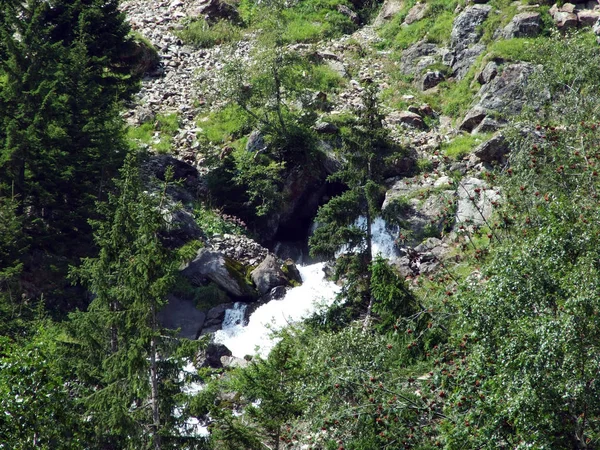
(291, 271)
(212, 355)
(215, 317)
(182, 314)
(431, 79)
(268, 275)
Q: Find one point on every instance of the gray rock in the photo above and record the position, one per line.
(505, 94)
(416, 13)
(214, 10)
(256, 142)
(587, 18)
(407, 118)
(232, 362)
(472, 119)
(465, 59)
(182, 314)
(343, 9)
(268, 275)
(211, 356)
(215, 317)
(474, 201)
(488, 125)
(417, 57)
(466, 28)
(388, 10)
(564, 19)
(181, 228)
(493, 150)
(326, 128)
(596, 28)
(222, 270)
(431, 79)
(526, 24)
(488, 73)
(466, 32)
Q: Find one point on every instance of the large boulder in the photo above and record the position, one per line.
(268, 275)
(271, 274)
(388, 10)
(182, 314)
(466, 29)
(211, 356)
(416, 58)
(493, 150)
(526, 24)
(475, 201)
(416, 13)
(464, 38)
(503, 96)
(431, 79)
(226, 273)
(215, 10)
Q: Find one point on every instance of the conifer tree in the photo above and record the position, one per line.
(346, 220)
(127, 349)
(60, 133)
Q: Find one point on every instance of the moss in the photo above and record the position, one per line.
(238, 271)
(462, 145)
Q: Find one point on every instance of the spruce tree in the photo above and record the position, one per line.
(127, 349)
(346, 220)
(61, 138)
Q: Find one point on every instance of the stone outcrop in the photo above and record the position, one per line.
(268, 275)
(464, 38)
(226, 273)
(182, 314)
(526, 24)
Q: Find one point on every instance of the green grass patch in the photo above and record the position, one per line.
(158, 133)
(225, 125)
(462, 145)
(201, 34)
(324, 78)
(518, 49)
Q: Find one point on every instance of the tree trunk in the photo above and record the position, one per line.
(367, 321)
(154, 384)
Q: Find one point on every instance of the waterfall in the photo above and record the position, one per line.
(235, 316)
(298, 303)
(382, 238)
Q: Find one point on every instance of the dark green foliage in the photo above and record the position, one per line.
(126, 348)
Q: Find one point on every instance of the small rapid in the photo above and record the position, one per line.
(299, 303)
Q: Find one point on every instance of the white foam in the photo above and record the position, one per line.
(382, 238)
(298, 303)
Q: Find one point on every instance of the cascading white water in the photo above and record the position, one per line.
(382, 238)
(235, 316)
(298, 303)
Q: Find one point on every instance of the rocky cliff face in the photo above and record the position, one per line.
(436, 191)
